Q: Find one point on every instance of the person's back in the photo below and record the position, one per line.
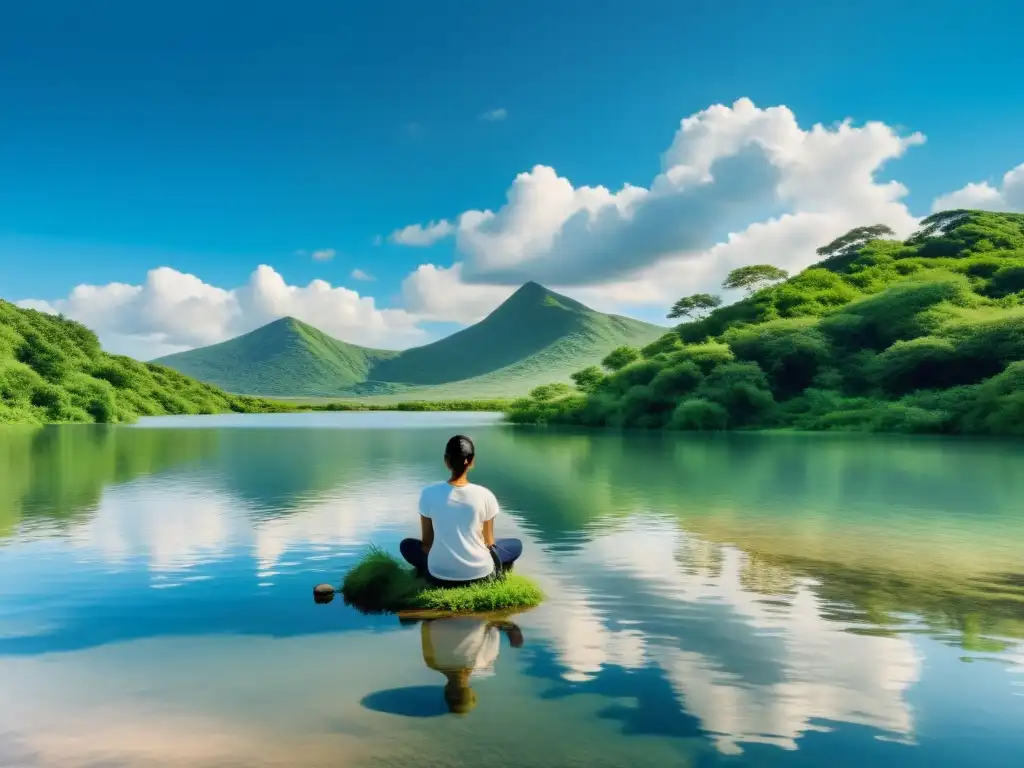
(458, 514)
(457, 524)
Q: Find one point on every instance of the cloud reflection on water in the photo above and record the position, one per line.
(745, 647)
(827, 672)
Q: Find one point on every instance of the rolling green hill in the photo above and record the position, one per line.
(286, 357)
(924, 335)
(536, 336)
(53, 370)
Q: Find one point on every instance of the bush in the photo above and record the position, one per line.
(706, 356)
(700, 415)
(928, 362)
(1007, 280)
(619, 358)
(742, 389)
(670, 342)
(895, 314)
(998, 407)
(551, 391)
(589, 379)
(791, 351)
(681, 379)
(986, 345)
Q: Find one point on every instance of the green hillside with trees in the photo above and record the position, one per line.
(924, 335)
(535, 336)
(53, 370)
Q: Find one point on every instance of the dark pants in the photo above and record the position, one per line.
(504, 552)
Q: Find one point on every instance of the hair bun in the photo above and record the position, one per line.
(460, 447)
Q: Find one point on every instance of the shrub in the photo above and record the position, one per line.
(589, 379)
(681, 379)
(928, 362)
(742, 389)
(895, 314)
(998, 407)
(707, 356)
(791, 351)
(620, 357)
(700, 415)
(550, 391)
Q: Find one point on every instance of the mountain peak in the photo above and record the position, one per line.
(532, 295)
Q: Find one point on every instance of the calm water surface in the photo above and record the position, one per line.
(768, 600)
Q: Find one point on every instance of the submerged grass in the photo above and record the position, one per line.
(380, 582)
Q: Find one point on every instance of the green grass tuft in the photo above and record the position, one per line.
(380, 582)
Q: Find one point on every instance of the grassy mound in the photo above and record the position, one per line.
(379, 582)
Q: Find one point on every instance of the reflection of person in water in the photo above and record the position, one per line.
(461, 646)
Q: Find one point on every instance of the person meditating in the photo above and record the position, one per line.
(457, 522)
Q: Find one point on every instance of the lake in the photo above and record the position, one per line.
(735, 600)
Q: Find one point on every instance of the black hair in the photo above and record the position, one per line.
(460, 452)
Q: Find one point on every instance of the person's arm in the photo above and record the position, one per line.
(426, 533)
(490, 512)
(426, 524)
(511, 630)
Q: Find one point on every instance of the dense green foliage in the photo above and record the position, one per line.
(535, 337)
(380, 582)
(925, 335)
(53, 370)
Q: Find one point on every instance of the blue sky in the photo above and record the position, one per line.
(214, 137)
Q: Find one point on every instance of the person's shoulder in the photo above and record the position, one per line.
(434, 488)
(483, 492)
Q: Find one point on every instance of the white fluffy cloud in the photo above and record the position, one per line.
(726, 167)
(494, 115)
(440, 294)
(359, 274)
(738, 185)
(172, 311)
(418, 235)
(1009, 196)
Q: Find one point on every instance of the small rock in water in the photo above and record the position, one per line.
(323, 593)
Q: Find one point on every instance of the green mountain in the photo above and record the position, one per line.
(536, 336)
(53, 370)
(286, 357)
(924, 335)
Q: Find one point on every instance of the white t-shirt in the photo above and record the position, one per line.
(461, 642)
(458, 514)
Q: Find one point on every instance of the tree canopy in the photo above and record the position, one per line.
(753, 277)
(620, 357)
(695, 305)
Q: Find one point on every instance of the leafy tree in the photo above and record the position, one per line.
(847, 245)
(588, 379)
(692, 307)
(620, 357)
(754, 277)
(548, 392)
